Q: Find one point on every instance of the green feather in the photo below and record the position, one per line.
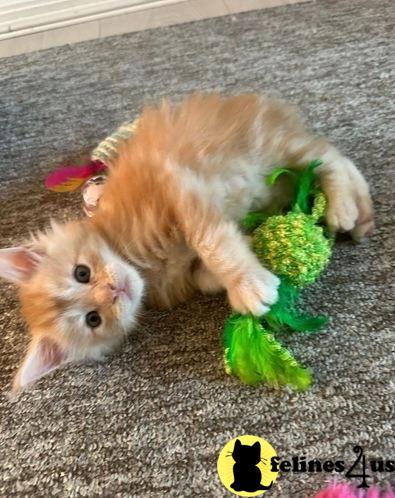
(254, 355)
(276, 172)
(285, 312)
(305, 187)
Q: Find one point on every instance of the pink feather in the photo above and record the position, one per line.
(349, 491)
(67, 178)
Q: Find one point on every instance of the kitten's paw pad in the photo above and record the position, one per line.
(254, 292)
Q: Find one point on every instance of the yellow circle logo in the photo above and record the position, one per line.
(244, 466)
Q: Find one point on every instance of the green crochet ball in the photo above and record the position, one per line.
(293, 246)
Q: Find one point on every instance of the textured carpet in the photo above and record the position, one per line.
(151, 421)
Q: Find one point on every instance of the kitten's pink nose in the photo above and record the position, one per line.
(114, 293)
(105, 294)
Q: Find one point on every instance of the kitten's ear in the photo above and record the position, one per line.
(18, 264)
(43, 356)
(257, 447)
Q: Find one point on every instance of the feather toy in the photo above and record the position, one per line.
(297, 249)
(69, 178)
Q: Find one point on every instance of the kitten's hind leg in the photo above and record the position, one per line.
(349, 202)
(285, 140)
(350, 206)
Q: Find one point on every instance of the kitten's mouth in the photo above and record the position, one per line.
(125, 290)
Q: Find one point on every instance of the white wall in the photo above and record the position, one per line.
(36, 15)
(30, 25)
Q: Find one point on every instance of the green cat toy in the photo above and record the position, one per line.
(297, 249)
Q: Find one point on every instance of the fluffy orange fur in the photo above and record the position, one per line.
(150, 213)
(169, 213)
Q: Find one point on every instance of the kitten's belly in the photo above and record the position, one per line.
(240, 188)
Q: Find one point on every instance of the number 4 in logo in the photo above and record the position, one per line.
(360, 456)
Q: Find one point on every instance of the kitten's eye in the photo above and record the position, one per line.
(82, 274)
(93, 319)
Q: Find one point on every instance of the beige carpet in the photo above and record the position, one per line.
(151, 421)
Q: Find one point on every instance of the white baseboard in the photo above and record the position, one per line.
(39, 24)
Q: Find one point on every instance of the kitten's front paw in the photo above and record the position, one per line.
(254, 292)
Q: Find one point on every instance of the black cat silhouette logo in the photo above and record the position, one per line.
(244, 466)
(247, 476)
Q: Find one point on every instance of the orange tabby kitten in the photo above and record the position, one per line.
(167, 225)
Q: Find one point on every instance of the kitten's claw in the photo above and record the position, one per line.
(254, 292)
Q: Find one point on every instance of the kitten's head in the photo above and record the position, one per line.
(78, 297)
(247, 453)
